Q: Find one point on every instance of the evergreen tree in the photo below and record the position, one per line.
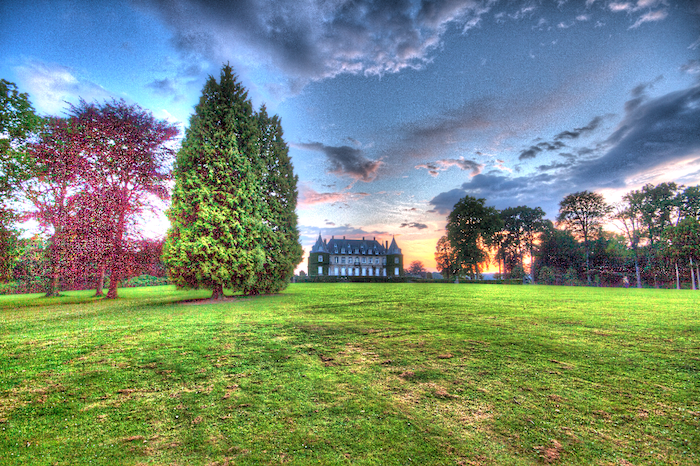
(278, 183)
(215, 239)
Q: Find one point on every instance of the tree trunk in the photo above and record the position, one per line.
(692, 274)
(588, 272)
(217, 291)
(53, 291)
(697, 274)
(100, 281)
(678, 278)
(117, 253)
(636, 269)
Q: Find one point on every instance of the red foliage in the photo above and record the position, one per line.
(96, 172)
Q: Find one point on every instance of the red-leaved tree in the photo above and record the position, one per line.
(53, 190)
(127, 153)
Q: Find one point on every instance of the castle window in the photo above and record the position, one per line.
(364, 260)
(396, 271)
(342, 251)
(396, 260)
(342, 260)
(320, 270)
(320, 258)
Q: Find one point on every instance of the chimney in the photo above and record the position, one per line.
(343, 237)
(363, 238)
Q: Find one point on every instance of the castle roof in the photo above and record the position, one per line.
(355, 246)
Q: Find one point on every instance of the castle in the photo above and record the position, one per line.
(355, 258)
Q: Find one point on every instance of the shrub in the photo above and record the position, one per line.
(547, 276)
(146, 280)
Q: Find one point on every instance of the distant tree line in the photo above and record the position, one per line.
(88, 178)
(656, 241)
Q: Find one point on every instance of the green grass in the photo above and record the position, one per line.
(353, 374)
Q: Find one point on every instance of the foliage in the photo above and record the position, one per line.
(18, 123)
(446, 258)
(583, 214)
(128, 154)
(427, 374)
(146, 280)
(471, 230)
(682, 244)
(521, 226)
(416, 268)
(278, 197)
(547, 275)
(215, 238)
(95, 173)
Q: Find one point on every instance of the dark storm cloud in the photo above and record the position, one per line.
(419, 226)
(502, 191)
(346, 161)
(314, 40)
(639, 95)
(657, 132)
(532, 152)
(592, 126)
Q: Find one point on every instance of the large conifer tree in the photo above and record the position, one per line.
(215, 239)
(279, 200)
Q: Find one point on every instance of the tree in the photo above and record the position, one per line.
(559, 251)
(629, 214)
(126, 153)
(689, 202)
(216, 223)
(583, 213)
(520, 228)
(416, 268)
(446, 258)
(682, 243)
(471, 230)
(18, 124)
(53, 190)
(278, 195)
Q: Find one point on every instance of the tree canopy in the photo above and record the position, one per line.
(233, 220)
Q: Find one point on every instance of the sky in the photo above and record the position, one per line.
(394, 110)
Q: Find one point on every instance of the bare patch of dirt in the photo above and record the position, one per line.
(445, 356)
(550, 454)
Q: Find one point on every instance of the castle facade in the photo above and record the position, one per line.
(355, 258)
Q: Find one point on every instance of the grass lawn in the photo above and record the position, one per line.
(393, 374)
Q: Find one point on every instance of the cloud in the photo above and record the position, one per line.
(692, 67)
(441, 165)
(501, 191)
(346, 161)
(621, 6)
(315, 40)
(658, 132)
(164, 87)
(662, 130)
(651, 16)
(52, 85)
(419, 226)
(532, 152)
(592, 126)
(308, 197)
